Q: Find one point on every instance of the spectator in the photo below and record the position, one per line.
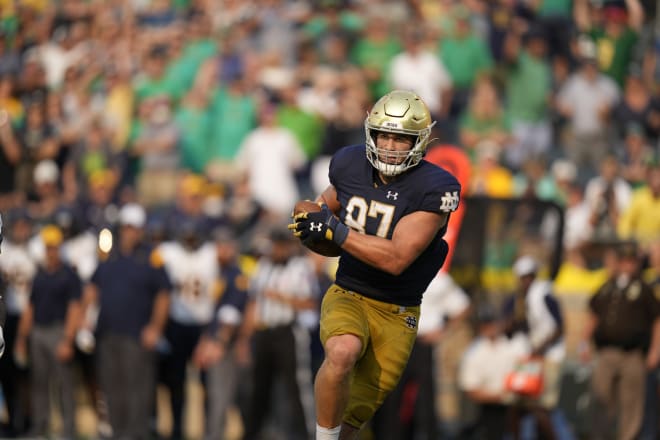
(535, 181)
(466, 56)
(10, 157)
(490, 179)
(636, 154)
(419, 70)
(484, 118)
(277, 162)
(38, 141)
(47, 194)
(234, 116)
(307, 127)
(608, 195)
(636, 107)
(194, 122)
(373, 51)
(640, 221)
(8, 101)
(585, 100)
(155, 145)
(615, 36)
(528, 89)
(9, 59)
(92, 154)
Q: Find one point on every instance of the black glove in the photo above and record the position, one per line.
(312, 227)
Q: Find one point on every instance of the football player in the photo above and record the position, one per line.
(388, 211)
(191, 263)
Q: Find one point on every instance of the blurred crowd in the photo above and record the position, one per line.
(173, 137)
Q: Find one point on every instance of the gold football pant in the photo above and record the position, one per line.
(387, 332)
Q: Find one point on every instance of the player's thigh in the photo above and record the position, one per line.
(393, 334)
(343, 313)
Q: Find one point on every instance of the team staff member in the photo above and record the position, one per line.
(51, 320)
(388, 210)
(132, 292)
(624, 325)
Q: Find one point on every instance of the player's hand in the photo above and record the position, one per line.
(312, 227)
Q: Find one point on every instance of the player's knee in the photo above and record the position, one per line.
(342, 352)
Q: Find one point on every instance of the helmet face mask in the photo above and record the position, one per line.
(401, 113)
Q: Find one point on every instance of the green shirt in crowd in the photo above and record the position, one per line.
(195, 127)
(527, 88)
(376, 55)
(556, 8)
(305, 126)
(465, 58)
(615, 54)
(234, 116)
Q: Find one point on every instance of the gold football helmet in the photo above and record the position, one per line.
(400, 112)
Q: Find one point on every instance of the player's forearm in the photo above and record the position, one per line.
(378, 252)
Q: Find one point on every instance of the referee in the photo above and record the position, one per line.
(280, 313)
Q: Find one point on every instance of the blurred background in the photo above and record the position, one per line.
(216, 116)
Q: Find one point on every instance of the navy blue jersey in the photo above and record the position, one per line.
(376, 211)
(233, 292)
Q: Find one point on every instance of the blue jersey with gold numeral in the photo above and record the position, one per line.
(376, 209)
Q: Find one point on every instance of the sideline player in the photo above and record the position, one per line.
(388, 211)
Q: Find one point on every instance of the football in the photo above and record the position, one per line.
(326, 248)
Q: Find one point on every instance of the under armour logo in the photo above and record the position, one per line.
(315, 227)
(392, 195)
(411, 321)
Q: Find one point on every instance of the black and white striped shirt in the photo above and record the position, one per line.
(295, 279)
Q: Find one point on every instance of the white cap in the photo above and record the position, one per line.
(564, 170)
(525, 265)
(46, 171)
(132, 214)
